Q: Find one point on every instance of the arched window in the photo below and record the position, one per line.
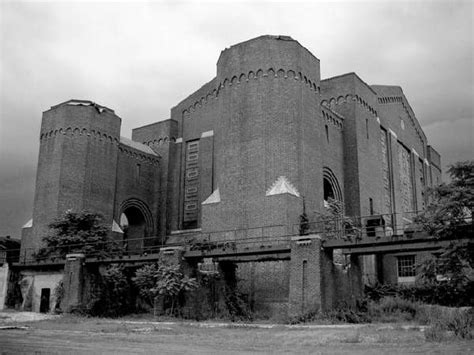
(328, 190)
(331, 189)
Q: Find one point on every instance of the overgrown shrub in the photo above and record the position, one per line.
(457, 323)
(393, 309)
(160, 279)
(58, 295)
(109, 294)
(431, 293)
(341, 314)
(237, 305)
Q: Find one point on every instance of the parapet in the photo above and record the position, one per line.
(75, 102)
(265, 53)
(434, 157)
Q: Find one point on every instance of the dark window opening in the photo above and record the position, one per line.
(371, 206)
(137, 173)
(327, 132)
(328, 190)
(367, 127)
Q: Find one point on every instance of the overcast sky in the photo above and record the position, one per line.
(141, 59)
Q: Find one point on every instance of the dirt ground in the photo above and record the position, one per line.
(28, 334)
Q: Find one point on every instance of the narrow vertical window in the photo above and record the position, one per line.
(327, 132)
(137, 173)
(367, 127)
(304, 283)
(371, 206)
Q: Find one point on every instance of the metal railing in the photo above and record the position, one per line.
(379, 225)
(349, 229)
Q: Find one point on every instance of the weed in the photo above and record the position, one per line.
(393, 309)
(352, 338)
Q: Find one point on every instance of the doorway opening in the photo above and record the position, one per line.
(45, 297)
(133, 224)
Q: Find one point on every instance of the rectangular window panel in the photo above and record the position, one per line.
(406, 266)
(387, 205)
(406, 178)
(191, 185)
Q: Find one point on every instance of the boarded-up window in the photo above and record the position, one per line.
(191, 185)
(387, 203)
(406, 185)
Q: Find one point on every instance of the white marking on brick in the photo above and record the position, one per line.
(207, 134)
(215, 197)
(282, 186)
(179, 140)
(28, 224)
(116, 227)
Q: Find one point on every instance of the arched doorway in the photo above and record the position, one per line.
(137, 226)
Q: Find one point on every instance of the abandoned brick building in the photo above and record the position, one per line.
(240, 159)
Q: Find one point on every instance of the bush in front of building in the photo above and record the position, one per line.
(436, 293)
(78, 232)
(166, 282)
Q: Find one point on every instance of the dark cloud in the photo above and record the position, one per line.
(142, 59)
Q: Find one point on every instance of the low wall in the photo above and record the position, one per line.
(267, 285)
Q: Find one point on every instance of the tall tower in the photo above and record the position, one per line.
(77, 165)
(268, 128)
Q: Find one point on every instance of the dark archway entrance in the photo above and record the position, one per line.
(328, 190)
(137, 224)
(331, 189)
(133, 224)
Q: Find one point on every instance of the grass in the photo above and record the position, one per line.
(444, 322)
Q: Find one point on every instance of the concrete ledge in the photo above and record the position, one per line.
(75, 256)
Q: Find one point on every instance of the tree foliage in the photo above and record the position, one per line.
(449, 216)
(160, 279)
(450, 211)
(78, 232)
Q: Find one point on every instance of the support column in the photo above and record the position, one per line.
(73, 282)
(307, 267)
(171, 255)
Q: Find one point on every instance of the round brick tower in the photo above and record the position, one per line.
(77, 164)
(268, 128)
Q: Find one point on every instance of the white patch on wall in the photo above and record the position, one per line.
(215, 197)
(282, 186)
(116, 227)
(207, 134)
(28, 224)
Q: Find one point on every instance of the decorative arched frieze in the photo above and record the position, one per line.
(238, 79)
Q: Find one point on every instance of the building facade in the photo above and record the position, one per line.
(241, 157)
